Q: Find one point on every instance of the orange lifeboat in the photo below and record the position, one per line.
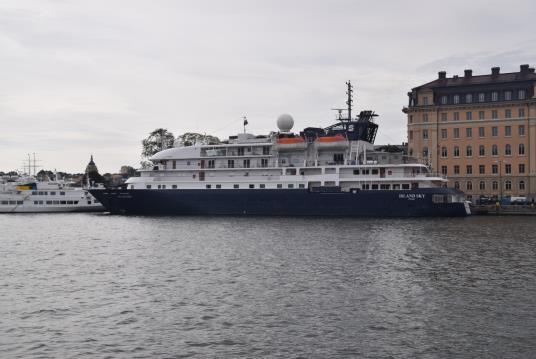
(331, 142)
(291, 144)
(335, 138)
(290, 140)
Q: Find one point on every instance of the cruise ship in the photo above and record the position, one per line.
(331, 171)
(26, 195)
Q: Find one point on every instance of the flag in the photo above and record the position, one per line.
(245, 121)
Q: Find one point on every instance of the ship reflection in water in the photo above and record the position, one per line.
(230, 287)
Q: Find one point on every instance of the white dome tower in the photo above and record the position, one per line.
(285, 122)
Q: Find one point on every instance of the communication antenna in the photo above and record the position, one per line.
(340, 112)
(245, 123)
(349, 101)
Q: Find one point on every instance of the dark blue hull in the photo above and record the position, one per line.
(280, 202)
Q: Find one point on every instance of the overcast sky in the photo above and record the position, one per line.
(95, 77)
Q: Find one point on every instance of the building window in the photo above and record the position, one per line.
(425, 152)
(425, 100)
(444, 100)
(481, 150)
(494, 114)
(444, 152)
(508, 113)
(521, 94)
(230, 163)
(494, 150)
(425, 134)
(507, 131)
(469, 169)
(410, 118)
(521, 113)
(508, 185)
(468, 132)
(508, 169)
(456, 170)
(494, 169)
(444, 116)
(521, 185)
(494, 96)
(456, 152)
(468, 98)
(469, 186)
(482, 185)
(508, 150)
(481, 97)
(521, 150)
(494, 131)
(444, 133)
(456, 116)
(521, 130)
(469, 151)
(468, 115)
(481, 115)
(457, 185)
(481, 132)
(508, 95)
(495, 185)
(444, 170)
(456, 99)
(481, 169)
(456, 132)
(425, 117)
(521, 168)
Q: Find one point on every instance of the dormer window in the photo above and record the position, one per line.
(444, 100)
(456, 99)
(481, 97)
(494, 96)
(508, 95)
(521, 94)
(468, 98)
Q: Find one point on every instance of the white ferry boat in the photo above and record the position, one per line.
(26, 195)
(331, 171)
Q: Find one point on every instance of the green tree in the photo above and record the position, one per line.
(158, 140)
(190, 138)
(128, 171)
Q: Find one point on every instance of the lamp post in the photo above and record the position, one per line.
(500, 162)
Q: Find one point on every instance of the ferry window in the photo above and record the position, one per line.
(279, 185)
(62, 193)
(262, 185)
(52, 193)
(174, 164)
(41, 193)
(69, 202)
(375, 171)
(246, 163)
(301, 185)
(241, 151)
(405, 186)
(159, 187)
(148, 186)
(374, 186)
(290, 185)
(187, 163)
(364, 186)
(63, 202)
(366, 172)
(251, 186)
(34, 193)
(208, 186)
(88, 202)
(21, 202)
(385, 186)
(131, 186)
(356, 172)
(338, 158)
(173, 186)
(230, 163)
(56, 202)
(437, 198)
(236, 186)
(48, 202)
(36, 202)
(266, 150)
(218, 186)
(163, 186)
(76, 202)
(211, 164)
(264, 162)
(4, 202)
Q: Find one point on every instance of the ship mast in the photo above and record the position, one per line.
(349, 101)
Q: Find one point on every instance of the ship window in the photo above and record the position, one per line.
(251, 186)
(266, 150)
(338, 158)
(389, 173)
(262, 185)
(301, 185)
(279, 185)
(20, 202)
(52, 193)
(4, 202)
(41, 193)
(236, 186)
(69, 202)
(76, 202)
(211, 164)
(173, 186)
(374, 186)
(356, 172)
(174, 164)
(208, 186)
(163, 186)
(264, 162)
(148, 186)
(438, 198)
(34, 193)
(36, 202)
(159, 187)
(405, 186)
(88, 202)
(290, 185)
(396, 186)
(375, 171)
(187, 163)
(241, 151)
(230, 163)
(385, 186)
(48, 202)
(62, 193)
(56, 202)
(246, 163)
(63, 202)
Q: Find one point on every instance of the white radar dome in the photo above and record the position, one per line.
(285, 122)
